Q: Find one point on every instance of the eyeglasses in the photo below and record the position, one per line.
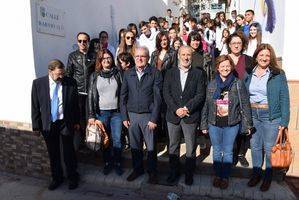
(236, 43)
(84, 41)
(128, 38)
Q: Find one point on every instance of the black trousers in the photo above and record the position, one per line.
(52, 138)
(83, 113)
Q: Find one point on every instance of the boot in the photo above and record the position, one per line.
(189, 168)
(107, 160)
(137, 160)
(117, 161)
(174, 165)
(152, 167)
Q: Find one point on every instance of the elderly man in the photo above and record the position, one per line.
(184, 94)
(54, 112)
(140, 105)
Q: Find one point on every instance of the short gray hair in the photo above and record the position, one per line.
(144, 48)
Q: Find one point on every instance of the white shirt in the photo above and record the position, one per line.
(52, 85)
(139, 73)
(252, 45)
(150, 42)
(183, 76)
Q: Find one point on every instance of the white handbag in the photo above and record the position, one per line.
(93, 137)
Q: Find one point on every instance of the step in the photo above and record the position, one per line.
(202, 185)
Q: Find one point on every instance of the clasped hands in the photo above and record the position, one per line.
(182, 112)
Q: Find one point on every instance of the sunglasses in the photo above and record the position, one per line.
(84, 41)
(128, 38)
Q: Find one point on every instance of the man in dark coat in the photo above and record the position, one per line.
(55, 114)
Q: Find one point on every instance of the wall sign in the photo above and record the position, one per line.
(50, 20)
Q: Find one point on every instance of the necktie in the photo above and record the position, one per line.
(54, 104)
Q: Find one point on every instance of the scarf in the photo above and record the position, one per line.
(108, 73)
(220, 85)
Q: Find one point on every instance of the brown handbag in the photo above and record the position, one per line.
(282, 153)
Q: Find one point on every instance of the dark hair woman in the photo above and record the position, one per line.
(164, 57)
(254, 39)
(270, 104)
(103, 102)
(221, 117)
(236, 44)
(194, 41)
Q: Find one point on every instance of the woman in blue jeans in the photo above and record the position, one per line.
(269, 98)
(103, 102)
(222, 118)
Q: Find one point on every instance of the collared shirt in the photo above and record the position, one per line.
(140, 73)
(258, 87)
(183, 76)
(52, 85)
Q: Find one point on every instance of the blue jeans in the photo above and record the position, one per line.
(113, 123)
(263, 139)
(223, 139)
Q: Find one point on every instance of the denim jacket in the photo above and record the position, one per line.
(234, 112)
(278, 96)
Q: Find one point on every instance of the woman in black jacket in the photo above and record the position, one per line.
(164, 57)
(226, 98)
(103, 102)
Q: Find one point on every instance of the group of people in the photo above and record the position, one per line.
(158, 83)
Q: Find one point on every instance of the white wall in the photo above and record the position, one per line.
(25, 52)
(17, 64)
(91, 17)
(276, 39)
(291, 42)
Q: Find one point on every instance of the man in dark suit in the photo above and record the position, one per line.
(140, 103)
(54, 113)
(184, 94)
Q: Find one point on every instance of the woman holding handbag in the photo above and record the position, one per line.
(222, 115)
(269, 98)
(103, 102)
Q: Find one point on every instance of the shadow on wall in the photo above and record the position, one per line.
(56, 23)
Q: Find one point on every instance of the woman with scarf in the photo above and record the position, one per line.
(226, 98)
(103, 102)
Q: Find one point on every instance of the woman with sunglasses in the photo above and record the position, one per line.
(127, 44)
(103, 103)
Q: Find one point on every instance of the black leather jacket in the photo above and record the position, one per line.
(80, 66)
(93, 95)
(169, 60)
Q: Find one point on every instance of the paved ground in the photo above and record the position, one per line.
(14, 187)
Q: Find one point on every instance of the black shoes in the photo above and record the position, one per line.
(73, 185)
(265, 185)
(243, 161)
(134, 175)
(173, 177)
(189, 178)
(118, 169)
(153, 178)
(254, 180)
(107, 168)
(55, 184)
